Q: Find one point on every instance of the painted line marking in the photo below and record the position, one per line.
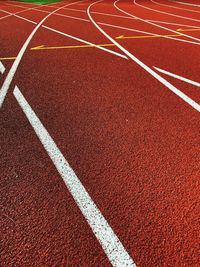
(7, 58)
(147, 36)
(159, 35)
(86, 42)
(180, 8)
(167, 13)
(188, 30)
(110, 243)
(173, 23)
(116, 26)
(151, 23)
(42, 47)
(2, 68)
(159, 26)
(178, 77)
(185, 3)
(167, 84)
(5, 87)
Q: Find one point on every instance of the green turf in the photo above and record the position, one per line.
(39, 1)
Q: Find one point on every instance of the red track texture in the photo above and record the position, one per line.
(132, 142)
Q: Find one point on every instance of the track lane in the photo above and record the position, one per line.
(175, 12)
(124, 113)
(90, 151)
(8, 80)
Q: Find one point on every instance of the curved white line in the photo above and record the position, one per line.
(109, 25)
(173, 23)
(186, 3)
(180, 8)
(5, 87)
(76, 38)
(167, 84)
(166, 13)
(158, 26)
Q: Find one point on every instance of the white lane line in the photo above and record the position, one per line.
(178, 77)
(13, 14)
(110, 243)
(5, 87)
(173, 23)
(113, 26)
(100, 13)
(102, 23)
(86, 42)
(159, 26)
(20, 17)
(110, 25)
(2, 68)
(185, 3)
(172, 88)
(180, 8)
(76, 38)
(167, 13)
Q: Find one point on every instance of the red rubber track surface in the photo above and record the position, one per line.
(132, 142)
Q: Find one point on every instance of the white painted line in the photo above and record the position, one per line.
(76, 38)
(178, 77)
(109, 25)
(14, 14)
(186, 3)
(20, 17)
(110, 243)
(5, 87)
(154, 24)
(86, 42)
(100, 13)
(2, 68)
(173, 23)
(172, 88)
(170, 14)
(180, 8)
(159, 26)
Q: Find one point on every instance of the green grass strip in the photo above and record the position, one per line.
(39, 1)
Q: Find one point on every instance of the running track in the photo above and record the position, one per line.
(99, 133)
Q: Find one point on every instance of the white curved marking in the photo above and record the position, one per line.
(5, 87)
(180, 8)
(172, 88)
(165, 28)
(151, 23)
(185, 3)
(167, 13)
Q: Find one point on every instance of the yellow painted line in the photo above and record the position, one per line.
(157, 36)
(147, 36)
(188, 30)
(7, 58)
(42, 47)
